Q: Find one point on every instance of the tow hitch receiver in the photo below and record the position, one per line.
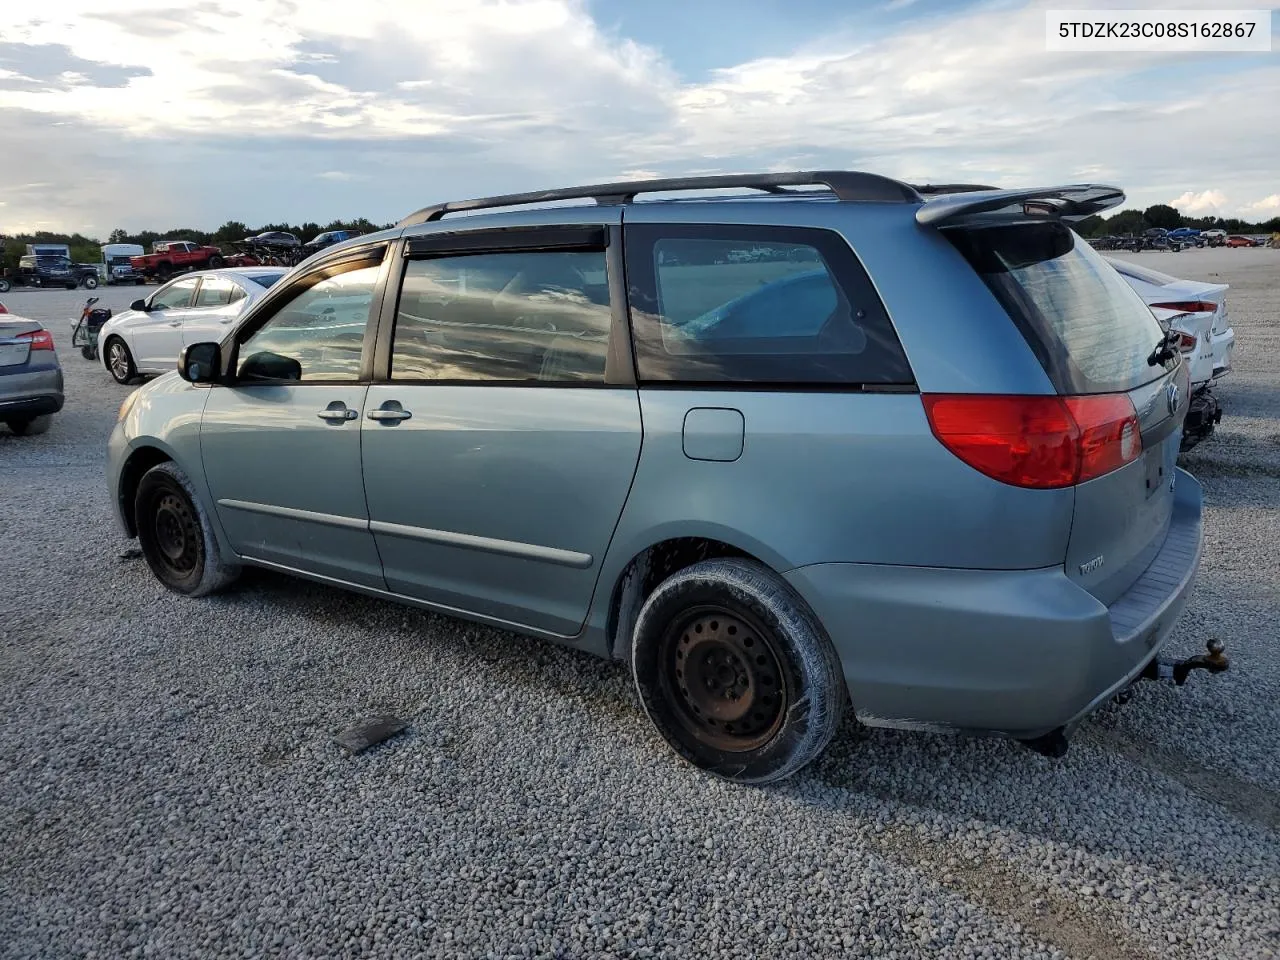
(1215, 661)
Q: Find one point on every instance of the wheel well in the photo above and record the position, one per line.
(139, 462)
(102, 353)
(648, 569)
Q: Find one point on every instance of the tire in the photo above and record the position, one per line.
(216, 262)
(748, 722)
(87, 352)
(91, 283)
(163, 272)
(5, 286)
(175, 535)
(119, 360)
(72, 285)
(29, 427)
(140, 281)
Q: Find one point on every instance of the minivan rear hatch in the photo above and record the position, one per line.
(1094, 336)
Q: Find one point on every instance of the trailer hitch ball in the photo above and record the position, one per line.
(1214, 661)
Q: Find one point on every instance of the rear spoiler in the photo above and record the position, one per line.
(1071, 202)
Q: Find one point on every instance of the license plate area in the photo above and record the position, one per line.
(14, 354)
(1153, 463)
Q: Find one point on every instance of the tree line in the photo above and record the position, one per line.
(1163, 215)
(86, 249)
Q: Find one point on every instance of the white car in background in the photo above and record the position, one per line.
(1197, 311)
(194, 308)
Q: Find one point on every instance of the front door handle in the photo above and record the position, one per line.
(390, 412)
(337, 412)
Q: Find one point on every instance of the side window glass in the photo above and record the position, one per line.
(177, 294)
(215, 292)
(747, 304)
(521, 316)
(318, 335)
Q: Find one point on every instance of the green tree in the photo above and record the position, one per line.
(1163, 215)
(1127, 221)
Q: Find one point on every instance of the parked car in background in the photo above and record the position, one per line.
(168, 257)
(148, 337)
(117, 263)
(1215, 238)
(30, 375)
(41, 270)
(1197, 313)
(328, 239)
(490, 422)
(1236, 240)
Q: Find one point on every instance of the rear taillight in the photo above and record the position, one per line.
(1037, 442)
(1186, 341)
(40, 339)
(1188, 306)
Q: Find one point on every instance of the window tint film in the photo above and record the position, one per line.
(520, 316)
(749, 304)
(215, 292)
(176, 295)
(1090, 330)
(322, 328)
(265, 279)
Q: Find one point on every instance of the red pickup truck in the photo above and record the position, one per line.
(168, 257)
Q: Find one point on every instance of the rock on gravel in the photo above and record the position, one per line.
(169, 786)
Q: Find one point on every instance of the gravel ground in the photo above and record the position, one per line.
(168, 786)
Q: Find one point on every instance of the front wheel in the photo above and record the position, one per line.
(91, 283)
(120, 361)
(175, 534)
(5, 286)
(735, 672)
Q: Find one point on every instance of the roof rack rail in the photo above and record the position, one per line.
(845, 184)
(933, 189)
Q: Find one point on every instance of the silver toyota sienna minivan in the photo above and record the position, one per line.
(825, 441)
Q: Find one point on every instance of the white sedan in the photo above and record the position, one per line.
(1197, 310)
(194, 308)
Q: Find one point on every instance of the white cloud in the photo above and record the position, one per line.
(1206, 202)
(1263, 209)
(436, 98)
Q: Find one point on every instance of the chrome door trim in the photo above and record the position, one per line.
(510, 548)
(293, 513)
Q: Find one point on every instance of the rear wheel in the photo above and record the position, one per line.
(174, 533)
(215, 262)
(30, 426)
(735, 672)
(163, 272)
(120, 361)
(140, 281)
(5, 286)
(91, 283)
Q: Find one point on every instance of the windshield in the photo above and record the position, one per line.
(264, 279)
(1090, 330)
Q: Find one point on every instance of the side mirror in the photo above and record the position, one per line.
(269, 366)
(200, 363)
(139, 305)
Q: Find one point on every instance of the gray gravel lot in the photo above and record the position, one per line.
(168, 786)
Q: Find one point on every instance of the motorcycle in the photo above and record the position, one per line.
(84, 331)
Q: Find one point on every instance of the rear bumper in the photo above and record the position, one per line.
(31, 394)
(1224, 345)
(1019, 652)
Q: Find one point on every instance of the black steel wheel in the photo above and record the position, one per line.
(175, 536)
(735, 672)
(721, 671)
(119, 360)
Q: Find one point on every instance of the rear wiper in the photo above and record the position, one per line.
(1166, 349)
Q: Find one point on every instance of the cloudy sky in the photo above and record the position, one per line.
(155, 113)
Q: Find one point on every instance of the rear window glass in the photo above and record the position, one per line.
(1145, 274)
(756, 304)
(1090, 330)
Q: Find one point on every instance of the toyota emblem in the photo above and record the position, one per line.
(1171, 395)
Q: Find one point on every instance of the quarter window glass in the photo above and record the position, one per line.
(215, 292)
(176, 295)
(321, 328)
(756, 305)
(540, 317)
